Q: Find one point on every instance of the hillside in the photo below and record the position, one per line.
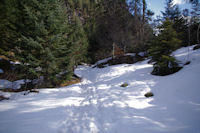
(100, 105)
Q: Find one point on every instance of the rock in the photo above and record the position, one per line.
(149, 94)
(151, 61)
(124, 85)
(34, 91)
(31, 91)
(196, 47)
(3, 98)
(100, 66)
(187, 63)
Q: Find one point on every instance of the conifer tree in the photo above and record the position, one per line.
(195, 22)
(161, 49)
(44, 42)
(173, 13)
(80, 41)
(8, 32)
(169, 10)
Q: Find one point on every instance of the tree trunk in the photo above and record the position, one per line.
(113, 53)
(198, 34)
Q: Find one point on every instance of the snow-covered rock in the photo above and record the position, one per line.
(196, 47)
(11, 85)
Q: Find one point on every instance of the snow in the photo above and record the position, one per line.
(15, 63)
(1, 71)
(142, 54)
(130, 54)
(99, 105)
(5, 84)
(14, 85)
(102, 61)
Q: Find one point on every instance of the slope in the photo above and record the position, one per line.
(99, 105)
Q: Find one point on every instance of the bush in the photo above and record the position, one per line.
(165, 66)
(187, 63)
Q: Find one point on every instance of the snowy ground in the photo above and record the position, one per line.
(99, 105)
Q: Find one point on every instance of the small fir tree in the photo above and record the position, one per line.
(161, 50)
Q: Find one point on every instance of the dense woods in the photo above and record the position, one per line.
(51, 37)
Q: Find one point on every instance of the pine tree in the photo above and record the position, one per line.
(161, 49)
(79, 42)
(141, 27)
(195, 22)
(82, 16)
(174, 14)
(169, 10)
(44, 42)
(8, 32)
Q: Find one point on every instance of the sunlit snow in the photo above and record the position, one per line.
(99, 105)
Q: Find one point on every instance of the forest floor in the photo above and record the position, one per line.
(100, 105)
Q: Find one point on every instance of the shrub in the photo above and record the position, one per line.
(162, 47)
(165, 66)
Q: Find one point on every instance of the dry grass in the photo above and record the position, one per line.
(71, 82)
(12, 90)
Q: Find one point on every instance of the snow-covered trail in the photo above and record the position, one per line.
(99, 105)
(106, 106)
